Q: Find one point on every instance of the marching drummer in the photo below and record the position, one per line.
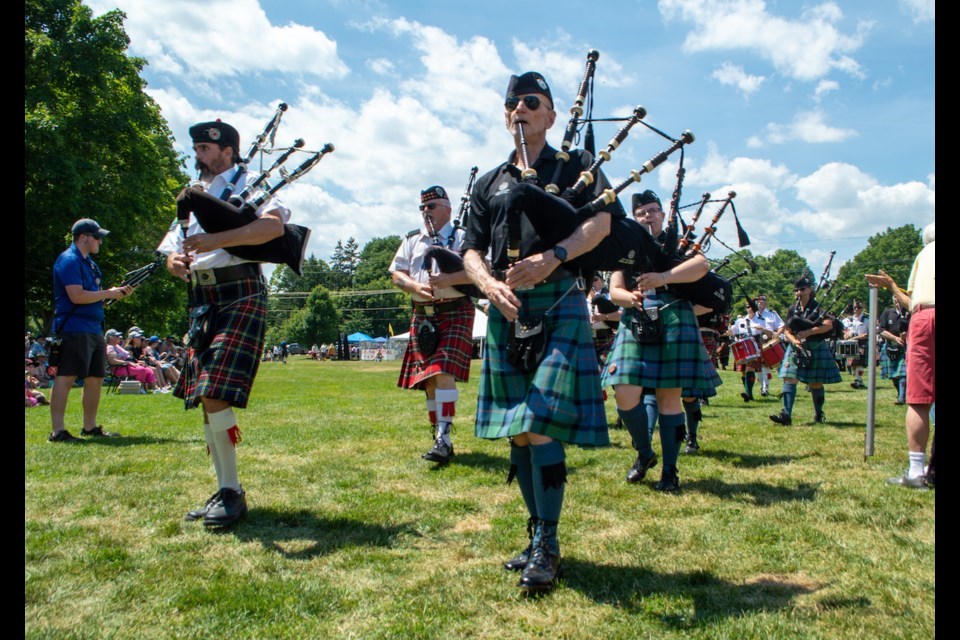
(747, 345)
(771, 326)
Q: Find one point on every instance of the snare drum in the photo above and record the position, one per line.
(847, 349)
(745, 350)
(773, 353)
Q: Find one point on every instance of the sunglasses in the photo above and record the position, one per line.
(530, 102)
(431, 206)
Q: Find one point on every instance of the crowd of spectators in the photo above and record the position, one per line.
(154, 362)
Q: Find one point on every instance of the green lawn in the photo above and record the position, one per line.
(778, 532)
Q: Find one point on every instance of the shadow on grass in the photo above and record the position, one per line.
(477, 460)
(281, 531)
(747, 461)
(642, 591)
(128, 441)
(762, 494)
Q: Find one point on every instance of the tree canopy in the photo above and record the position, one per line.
(95, 145)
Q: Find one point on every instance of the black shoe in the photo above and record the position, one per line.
(543, 569)
(746, 397)
(518, 562)
(704, 402)
(820, 418)
(692, 446)
(62, 436)
(856, 384)
(198, 514)
(98, 432)
(782, 418)
(441, 452)
(764, 393)
(669, 481)
(229, 507)
(640, 468)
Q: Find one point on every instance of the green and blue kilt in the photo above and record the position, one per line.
(680, 361)
(893, 367)
(562, 398)
(823, 369)
(226, 369)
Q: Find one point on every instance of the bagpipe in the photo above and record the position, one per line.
(811, 315)
(446, 259)
(137, 277)
(629, 246)
(234, 210)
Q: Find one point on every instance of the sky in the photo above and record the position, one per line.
(820, 116)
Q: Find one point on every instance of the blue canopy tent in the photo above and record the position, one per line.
(359, 337)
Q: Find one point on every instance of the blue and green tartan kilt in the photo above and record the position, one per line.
(679, 361)
(226, 369)
(562, 398)
(893, 367)
(823, 369)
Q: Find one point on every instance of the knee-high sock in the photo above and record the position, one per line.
(521, 469)
(692, 409)
(902, 389)
(749, 380)
(635, 420)
(653, 413)
(549, 478)
(671, 434)
(432, 412)
(818, 396)
(226, 434)
(789, 396)
(212, 451)
(765, 377)
(446, 409)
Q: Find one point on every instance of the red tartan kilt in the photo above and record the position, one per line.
(452, 356)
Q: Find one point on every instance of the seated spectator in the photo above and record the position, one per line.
(123, 363)
(137, 348)
(152, 355)
(32, 397)
(38, 348)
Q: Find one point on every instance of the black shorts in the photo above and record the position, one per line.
(84, 355)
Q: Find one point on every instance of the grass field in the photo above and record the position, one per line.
(778, 532)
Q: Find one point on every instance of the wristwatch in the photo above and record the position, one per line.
(560, 253)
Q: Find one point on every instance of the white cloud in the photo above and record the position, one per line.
(565, 71)
(824, 87)
(381, 66)
(179, 37)
(807, 126)
(733, 74)
(845, 201)
(920, 10)
(807, 48)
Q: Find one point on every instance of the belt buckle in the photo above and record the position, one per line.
(429, 309)
(204, 277)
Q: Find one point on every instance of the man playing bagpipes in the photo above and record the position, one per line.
(228, 300)
(808, 358)
(441, 330)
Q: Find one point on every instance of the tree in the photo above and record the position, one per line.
(892, 250)
(344, 262)
(774, 276)
(318, 320)
(95, 145)
(375, 259)
(285, 281)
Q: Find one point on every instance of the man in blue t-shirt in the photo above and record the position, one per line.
(78, 304)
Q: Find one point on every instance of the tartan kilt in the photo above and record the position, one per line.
(603, 342)
(453, 352)
(680, 361)
(226, 369)
(893, 367)
(562, 398)
(823, 370)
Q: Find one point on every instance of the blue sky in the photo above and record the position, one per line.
(819, 115)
